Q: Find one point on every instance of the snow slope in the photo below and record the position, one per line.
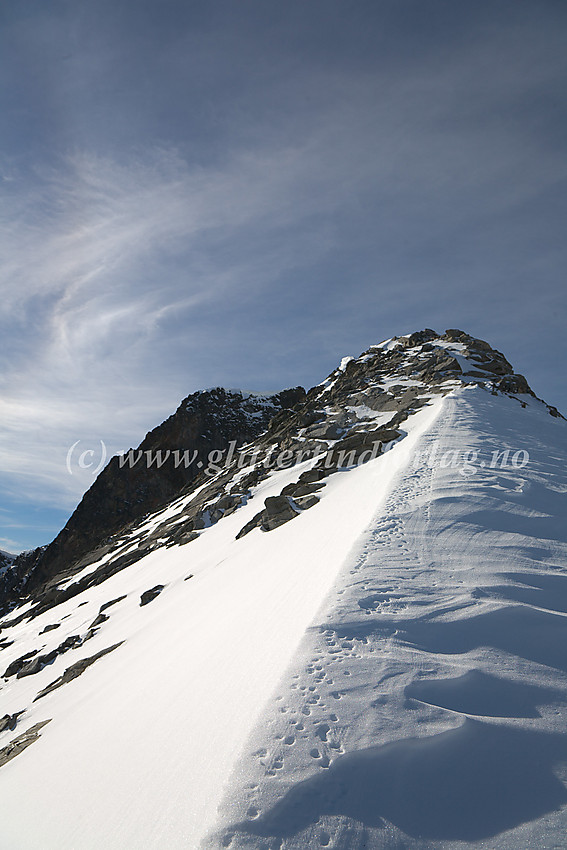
(427, 703)
(388, 670)
(143, 745)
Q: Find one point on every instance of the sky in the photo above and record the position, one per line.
(241, 193)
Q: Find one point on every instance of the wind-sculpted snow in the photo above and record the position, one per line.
(437, 667)
(466, 784)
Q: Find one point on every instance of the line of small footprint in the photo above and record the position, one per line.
(314, 721)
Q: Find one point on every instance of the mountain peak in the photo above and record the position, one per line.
(433, 361)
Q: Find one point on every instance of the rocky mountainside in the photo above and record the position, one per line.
(356, 412)
(341, 623)
(204, 422)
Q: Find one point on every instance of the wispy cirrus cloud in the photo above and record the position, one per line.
(100, 258)
(269, 215)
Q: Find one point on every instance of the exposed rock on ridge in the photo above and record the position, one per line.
(354, 415)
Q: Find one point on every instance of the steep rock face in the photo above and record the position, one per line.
(125, 491)
(5, 559)
(8, 575)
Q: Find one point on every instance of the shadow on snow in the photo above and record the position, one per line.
(466, 784)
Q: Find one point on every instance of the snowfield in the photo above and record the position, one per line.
(389, 670)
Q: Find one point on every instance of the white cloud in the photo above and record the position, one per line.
(97, 257)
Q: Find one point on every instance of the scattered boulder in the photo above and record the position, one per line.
(37, 664)
(112, 602)
(409, 397)
(31, 662)
(444, 363)
(278, 511)
(496, 367)
(16, 665)
(149, 595)
(50, 628)
(75, 670)
(9, 721)
(20, 743)
(72, 642)
(255, 522)
(98, 621)
(299, 489)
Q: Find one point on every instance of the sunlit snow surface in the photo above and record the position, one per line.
(388, 670)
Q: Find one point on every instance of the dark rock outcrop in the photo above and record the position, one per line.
(16, 665)
(169, 458)
(9, 721)
(76, 670)
(50, 628)
(149, 595)
(20, 743)
(31, 663)
(278, 510)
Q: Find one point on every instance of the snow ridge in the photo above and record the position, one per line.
(322, 653)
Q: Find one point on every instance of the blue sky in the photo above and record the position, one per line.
(240, 193)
